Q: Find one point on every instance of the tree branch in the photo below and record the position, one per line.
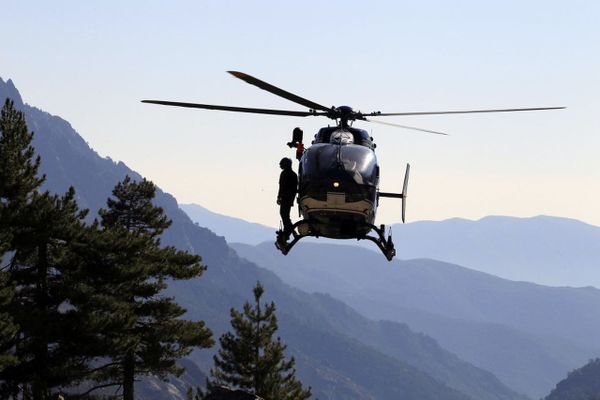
(82, 395)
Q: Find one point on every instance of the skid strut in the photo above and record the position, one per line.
(385, 245)
(282, 244)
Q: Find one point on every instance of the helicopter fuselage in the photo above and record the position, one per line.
(338, 181)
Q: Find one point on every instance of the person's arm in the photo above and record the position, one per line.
(279, 193)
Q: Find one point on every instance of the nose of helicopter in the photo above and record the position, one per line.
(331, 168)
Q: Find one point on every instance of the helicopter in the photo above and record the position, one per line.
(338, 174)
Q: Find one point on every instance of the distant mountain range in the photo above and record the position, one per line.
(546, 250)
(526, 334)
(234, 230)
(340, 353)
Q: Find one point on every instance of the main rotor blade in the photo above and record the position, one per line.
(378, 114)
(235, 109)
(406, 127)
(277, 91)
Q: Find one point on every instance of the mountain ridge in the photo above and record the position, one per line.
(227, 226)
(548, 250)
(580, 384)
(550, 330)
(552, 251)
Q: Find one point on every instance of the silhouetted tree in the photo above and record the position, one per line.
(39, 227)
(126, 272)
(74, 296)
(18, 180)
(250, 359)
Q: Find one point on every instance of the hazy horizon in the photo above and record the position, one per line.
(409, 222)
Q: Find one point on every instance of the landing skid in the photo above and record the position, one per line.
(385, 245)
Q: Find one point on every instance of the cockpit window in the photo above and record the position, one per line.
(323, 161)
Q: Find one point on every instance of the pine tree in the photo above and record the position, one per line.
(36, 229)
(41, 256)
(249, 358)
(18, 172)
(127, 270)
(18, 180)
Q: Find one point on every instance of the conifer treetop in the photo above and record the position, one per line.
(251, 359)
(18, 171)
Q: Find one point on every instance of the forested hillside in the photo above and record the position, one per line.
(581, 384)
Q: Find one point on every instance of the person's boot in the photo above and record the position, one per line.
(281, 242)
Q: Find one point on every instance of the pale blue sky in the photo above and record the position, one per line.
(91, 63)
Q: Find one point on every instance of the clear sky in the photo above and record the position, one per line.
(91, 62)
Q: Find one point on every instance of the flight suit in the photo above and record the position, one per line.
(288, 187)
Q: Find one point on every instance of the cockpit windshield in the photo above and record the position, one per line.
(326, 161)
